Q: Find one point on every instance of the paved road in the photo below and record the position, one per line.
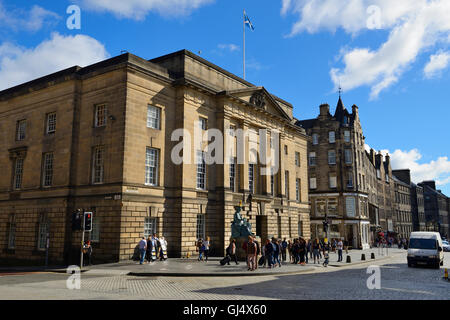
(397, 282)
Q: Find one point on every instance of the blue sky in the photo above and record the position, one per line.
(392, 59)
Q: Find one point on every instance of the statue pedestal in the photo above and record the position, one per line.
(241, 254)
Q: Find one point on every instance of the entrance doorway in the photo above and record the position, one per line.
(261, 227)
(350, 233)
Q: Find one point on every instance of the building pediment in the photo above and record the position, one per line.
(260, 98)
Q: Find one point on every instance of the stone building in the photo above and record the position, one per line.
(403, 210)
(101, 138)
(416, 199)
(418, 208)
(436, 209)
(349, 185)
(338, 183)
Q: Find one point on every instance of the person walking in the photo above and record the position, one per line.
(316, 250)
(291, 257)
(149, 249)
(339, 247)
(231, 252)
(142, 249)
(302, 249)
(284, 245)
(199, 249)
(310, 248)
(307, 250)
(163, 249)
(258, 251)
(251, 254)
(206, 247)
(268, 252)
(295, 251)
(155, 247)
(276, 252)
(87, 252)
(326, 257)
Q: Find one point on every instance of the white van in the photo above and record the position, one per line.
(425, 248)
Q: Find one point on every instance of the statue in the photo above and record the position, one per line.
(258, 99)
(240, 227)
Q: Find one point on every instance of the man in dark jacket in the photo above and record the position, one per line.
(284, 245)
(268, 252)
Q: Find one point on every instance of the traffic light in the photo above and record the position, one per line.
(325, 226)
(77, 217)
(88, 216)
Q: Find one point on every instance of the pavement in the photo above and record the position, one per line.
(349, 282)
(192, 268)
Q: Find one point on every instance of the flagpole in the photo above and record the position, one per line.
(243, 18)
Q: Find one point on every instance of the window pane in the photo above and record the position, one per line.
(348, 156)
(42, 237)
(350, 206)
(21, 130)
(251, 177)
(331, 137)
(312, 158)
(315, 138)
(151, 166)
(232, 174)
(312, 183)
(51, 123)
(149, 226)
(100, 115)
(98, 165)
(18, 170)
(153, 117)
(48, 170)
(201, 170)
(200, 226)
(12, 236)
(286, 183)
(331, 157)
(95, 233)
(347, 136)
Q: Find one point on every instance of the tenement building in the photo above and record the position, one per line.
(416, 199)
(418, 208)
(403, 211)
(348, 185)
(338, 185)
(436, 209)
(104, 138)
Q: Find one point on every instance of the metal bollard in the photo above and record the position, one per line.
(363, 257)
(349, 259)
(372, 255)
(445, 274)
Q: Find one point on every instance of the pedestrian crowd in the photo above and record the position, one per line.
(275, 251)
(152, 249)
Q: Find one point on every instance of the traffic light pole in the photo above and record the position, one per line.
(82, 244)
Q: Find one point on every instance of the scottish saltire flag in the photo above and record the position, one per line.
(247, 22)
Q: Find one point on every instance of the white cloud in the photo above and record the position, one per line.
(18, 65)
(231, 47)
(138, 9)
(414, 26)
(437, 63)
(438, 169)
(32, 20)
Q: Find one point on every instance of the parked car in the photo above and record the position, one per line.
(446, 246)
(425, 248)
